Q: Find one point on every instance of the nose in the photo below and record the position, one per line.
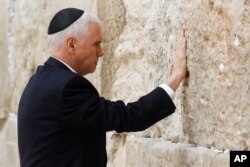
(100, 52)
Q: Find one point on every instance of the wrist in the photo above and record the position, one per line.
(174, 81)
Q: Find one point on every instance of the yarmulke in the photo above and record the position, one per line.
(63, 19)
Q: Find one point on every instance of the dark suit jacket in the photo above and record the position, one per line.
(62, 120)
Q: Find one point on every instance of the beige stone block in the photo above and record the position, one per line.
(116, 149)
(2, 139)
(112, 15)
(212, 104)
(9, 156)
(216, 100)
(4, 79)
(143, 59)
(145, 152)
(11, 134)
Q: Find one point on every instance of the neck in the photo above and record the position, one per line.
(66, 58)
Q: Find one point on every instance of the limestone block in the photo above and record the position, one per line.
(160, 153)
(112, 15)
(29, 25)
(216, 100)
(212, 105)
(116, 149)
(9, 156)
(144, 55)
(2, 139)
(4, 79)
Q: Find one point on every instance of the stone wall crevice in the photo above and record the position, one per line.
(113, 23)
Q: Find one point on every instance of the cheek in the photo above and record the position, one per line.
(89, 52)
(93, 50)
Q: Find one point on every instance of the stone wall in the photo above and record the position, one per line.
(212, 115)
(216, 102)
(3, 58)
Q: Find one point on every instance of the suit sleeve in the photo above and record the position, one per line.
(83, 108)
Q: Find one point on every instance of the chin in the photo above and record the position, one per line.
(92, 71)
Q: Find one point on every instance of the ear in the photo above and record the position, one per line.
(70, 43)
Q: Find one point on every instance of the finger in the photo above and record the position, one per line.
(181, 33)
(184, 28)
(185, 32)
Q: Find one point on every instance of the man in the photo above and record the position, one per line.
(62, 120)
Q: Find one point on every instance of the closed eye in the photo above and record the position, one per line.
(98, 43)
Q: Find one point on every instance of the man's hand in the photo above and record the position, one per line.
(180, 62)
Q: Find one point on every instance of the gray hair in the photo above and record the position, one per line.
(79, 29)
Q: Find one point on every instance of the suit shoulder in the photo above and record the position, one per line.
(80, 82)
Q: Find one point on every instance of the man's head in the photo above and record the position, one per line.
(75, 38)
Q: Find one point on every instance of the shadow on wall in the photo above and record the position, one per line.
(2, 122)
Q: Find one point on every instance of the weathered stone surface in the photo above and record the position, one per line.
(2, 139)
(116, 149)
(213, 104)
(160, 153)
(216, 101)
(112, 14)
(3, 58)
(144, 54)
(8, 142)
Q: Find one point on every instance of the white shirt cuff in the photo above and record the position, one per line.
(168, 90)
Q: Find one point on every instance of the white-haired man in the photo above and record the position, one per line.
(62, 120)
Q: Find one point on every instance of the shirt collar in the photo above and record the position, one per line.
(71, 69)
